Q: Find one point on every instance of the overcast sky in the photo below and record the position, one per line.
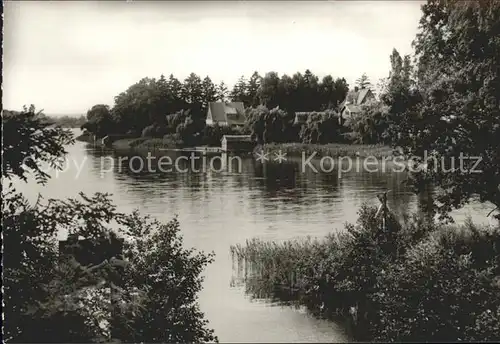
(65, 57)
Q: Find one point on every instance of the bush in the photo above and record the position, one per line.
(268, 125)
(414, 281)
(154, 130)
(370, 125)
(29, 141)
(158, 285)
(145, 293)
(321, 128)
(212, 135)
(446, 289)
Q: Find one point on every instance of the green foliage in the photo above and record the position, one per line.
(168, 276)
(363, 82)
(410, 281)
(268, 125)
(222, 92)
(212, 135)
(154, 130)
(176, 119)
(188, 132)
(192, 92)
(333, 150)
(321, 128)
(146, 293)
(453, 109)
(209, 92)
(99, 121)
(239, 93)
(247, 91)
(66, 121)
(154, 104)
(29, 142)
(43, 293)
(370, 125)
(446, 289)
(301, 92)
(146, 102)
(331, 92)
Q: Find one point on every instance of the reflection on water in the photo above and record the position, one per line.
(216, 209)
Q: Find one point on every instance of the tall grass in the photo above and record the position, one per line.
(331, 149)
(412, 281)
(151, 144)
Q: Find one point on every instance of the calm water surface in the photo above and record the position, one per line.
(218, 209)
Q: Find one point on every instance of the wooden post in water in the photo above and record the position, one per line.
(383, 209)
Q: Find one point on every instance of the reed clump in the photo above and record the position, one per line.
(410, 281)
(332, 149)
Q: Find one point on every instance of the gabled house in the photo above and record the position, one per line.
(353, 101)
(226, 114)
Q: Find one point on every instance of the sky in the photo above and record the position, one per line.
(65, 57)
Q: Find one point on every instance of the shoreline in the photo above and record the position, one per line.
(334, 150)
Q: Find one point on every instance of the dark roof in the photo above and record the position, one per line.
(362, 95)
(236, 138)
(357, 97)
(232, 113)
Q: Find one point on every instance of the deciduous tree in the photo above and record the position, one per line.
(458, 80)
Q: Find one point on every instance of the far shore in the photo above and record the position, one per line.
(291, 149)
(330, 149)
(130, 143)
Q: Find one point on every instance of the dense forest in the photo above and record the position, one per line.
(67, 121)
(64, 121)
(165, 106)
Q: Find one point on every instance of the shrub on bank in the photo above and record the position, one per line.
(445, 289)
(413, 281)
(49, 299)
(154, 130)
(90, 288)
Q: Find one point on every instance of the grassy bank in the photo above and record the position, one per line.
(330, 149)
(412, 282)
(291, 149)
(135, 143)
(157, 143)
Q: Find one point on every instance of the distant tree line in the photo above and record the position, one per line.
(67, 121)
(166, 106)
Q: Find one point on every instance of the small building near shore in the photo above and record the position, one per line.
(237, 143)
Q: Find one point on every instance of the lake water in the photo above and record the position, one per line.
(270, 201)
